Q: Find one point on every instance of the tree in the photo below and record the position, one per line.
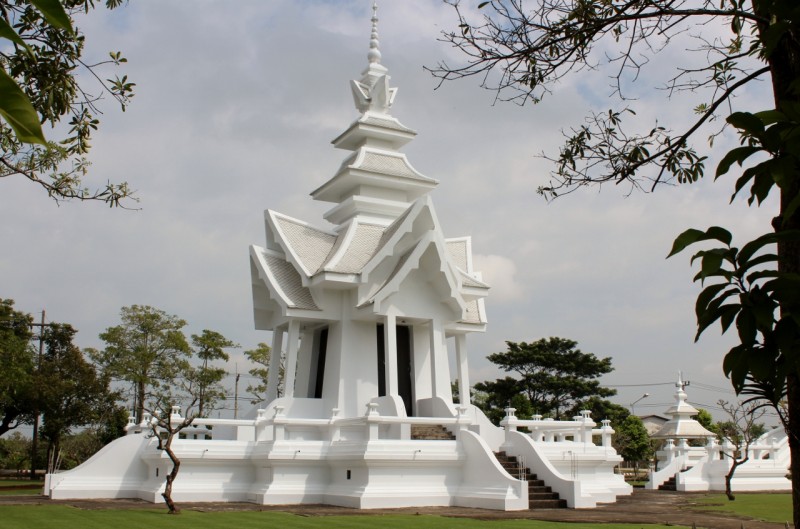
(554, 376)
(632, 441)
(148, 344)
(706, 421)
(741, 430)
(601, 409)
(15, 452)
(70, 391)
(16, 367)
(521, 53)
(176, 387)
(260, 356)
(41, 83)
(208, 347)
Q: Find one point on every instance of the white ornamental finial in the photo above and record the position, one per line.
(374, 55)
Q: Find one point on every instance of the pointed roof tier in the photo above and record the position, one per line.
(682, 426)
(375, 182)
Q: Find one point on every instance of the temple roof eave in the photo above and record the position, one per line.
(337, 187)
(370, 127)
(683, 430)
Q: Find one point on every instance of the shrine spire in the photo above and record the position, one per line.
(374, 55)
(372, 92)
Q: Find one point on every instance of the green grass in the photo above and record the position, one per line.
(61, 517)
(7, 487)
(17, 482)
(771, 507)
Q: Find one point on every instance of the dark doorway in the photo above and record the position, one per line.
(405, 387)
(321, 352)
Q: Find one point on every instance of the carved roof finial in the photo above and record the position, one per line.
(374, 55)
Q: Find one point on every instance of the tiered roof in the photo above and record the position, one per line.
(384, 220)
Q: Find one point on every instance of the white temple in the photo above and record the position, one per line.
(362, 314)
(684, 467)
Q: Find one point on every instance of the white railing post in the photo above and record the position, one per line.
(607, 433)
(278, 425)
(588, 426)
(130, 428)
(509, 422)
(373, 428)
(260, 423)
(334, 430)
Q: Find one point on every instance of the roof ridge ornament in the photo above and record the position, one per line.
(372, 92)
(374, 55)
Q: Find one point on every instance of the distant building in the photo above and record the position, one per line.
(653, 423)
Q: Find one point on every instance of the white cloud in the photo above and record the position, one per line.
(500, 273)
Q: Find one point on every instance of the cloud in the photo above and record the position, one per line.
(500, 273)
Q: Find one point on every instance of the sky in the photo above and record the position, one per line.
(236, 104)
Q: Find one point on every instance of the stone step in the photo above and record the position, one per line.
(670, 484)
(540, 496)
(431, 433)
(547, 504)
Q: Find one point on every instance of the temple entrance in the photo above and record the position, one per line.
(405, 387)
(321, 352)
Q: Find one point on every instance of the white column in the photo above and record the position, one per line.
(273, 377)
(390, 352)
(463, 369)
(436, 360)
(291, 358)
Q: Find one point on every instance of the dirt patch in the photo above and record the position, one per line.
(643, 506)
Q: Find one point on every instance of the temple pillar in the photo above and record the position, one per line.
(436, 337)
(273, 378)
(292, 346)
(463, 369)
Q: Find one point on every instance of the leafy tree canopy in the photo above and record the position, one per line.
(147, 347)
(632, 441)
(209, 347)
(553, 376)
(42, 81)
(70, 392)
(17, 364)
(260, 372)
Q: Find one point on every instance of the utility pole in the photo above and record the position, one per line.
(236, 394)
(34, 441)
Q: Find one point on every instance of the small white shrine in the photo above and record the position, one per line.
(362, 314)
(684, 467)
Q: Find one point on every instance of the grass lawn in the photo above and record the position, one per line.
(774, 507)
(62, 517)
(10, 487)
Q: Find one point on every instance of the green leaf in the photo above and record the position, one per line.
(692, 236)
(728, 314)
(737, 155)
(17, 110)
(705, 297)
(746, 326)
(54, 13)
(746, 122)
(7, 32)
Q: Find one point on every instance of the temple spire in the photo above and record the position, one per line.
(374, 55)
(372, 91)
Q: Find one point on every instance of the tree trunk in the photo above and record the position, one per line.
(140, 401)
(176, 465)
(9, 418)
(793, 403)
(784, 64)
